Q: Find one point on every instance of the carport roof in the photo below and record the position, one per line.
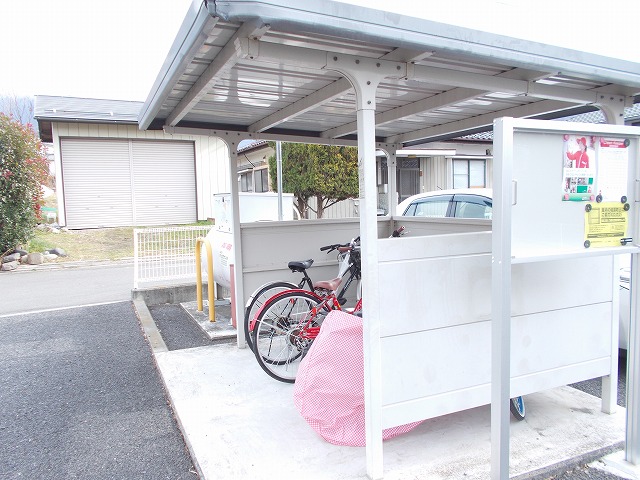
(262, 69)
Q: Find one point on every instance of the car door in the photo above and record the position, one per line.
(471, 206)
(436, 206)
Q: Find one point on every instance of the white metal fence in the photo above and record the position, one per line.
(165, 254)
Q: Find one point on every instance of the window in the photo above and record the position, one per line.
(472, 206)
(469, 173)
(262, 180)
(429, 207)
(246, 182)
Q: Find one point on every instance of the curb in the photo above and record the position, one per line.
(67, 265)
(556, 469)
(159, 347)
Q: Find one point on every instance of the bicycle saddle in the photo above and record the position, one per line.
(331, 285)
(300, 266)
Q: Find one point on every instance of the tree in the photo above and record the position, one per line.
(23, 169)
(18, 107)
(329, 173)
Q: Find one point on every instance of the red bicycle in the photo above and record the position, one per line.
(287, 323)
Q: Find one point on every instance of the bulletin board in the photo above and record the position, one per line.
(563, 192)
(573, 188)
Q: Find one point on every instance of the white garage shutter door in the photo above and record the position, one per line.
(109, 183)
(97, 183)
(164, 183)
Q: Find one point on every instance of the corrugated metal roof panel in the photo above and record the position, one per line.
(86, 109)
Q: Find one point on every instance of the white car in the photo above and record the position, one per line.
(460, 203)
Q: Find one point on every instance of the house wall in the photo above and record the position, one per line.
(211, 154)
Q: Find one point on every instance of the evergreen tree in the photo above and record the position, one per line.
(328, 173)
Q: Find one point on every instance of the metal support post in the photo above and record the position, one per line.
(501, 299)
(365, 75)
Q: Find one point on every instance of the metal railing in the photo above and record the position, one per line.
(165, 254)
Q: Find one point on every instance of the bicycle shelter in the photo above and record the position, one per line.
(333, 73)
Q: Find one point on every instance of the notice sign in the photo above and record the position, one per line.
(605, 224)
(613, 161)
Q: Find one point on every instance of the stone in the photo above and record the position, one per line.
(50, 256)
(7, 267)
(35, 259)
(58, 251)
(21, 251)
(14, 257)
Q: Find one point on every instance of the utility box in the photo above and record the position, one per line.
(254, 207)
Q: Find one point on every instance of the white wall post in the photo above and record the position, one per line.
(501, 298)
(238, 299)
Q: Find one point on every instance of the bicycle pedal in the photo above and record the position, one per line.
(342, 301)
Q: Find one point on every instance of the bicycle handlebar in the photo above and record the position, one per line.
(337, 246)
(398, 232)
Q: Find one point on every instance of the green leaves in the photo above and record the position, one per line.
(329, 173)
(23, 170)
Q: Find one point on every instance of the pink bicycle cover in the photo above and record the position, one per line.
(329, 387)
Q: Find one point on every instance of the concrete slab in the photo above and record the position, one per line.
(240, 423)
(220, 329)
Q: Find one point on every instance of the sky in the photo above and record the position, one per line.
(114, 49)
(109, 49)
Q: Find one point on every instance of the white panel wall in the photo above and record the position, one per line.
(436, 333)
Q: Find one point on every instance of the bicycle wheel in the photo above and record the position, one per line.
(280, 336)
(516, 405)
(257, 299)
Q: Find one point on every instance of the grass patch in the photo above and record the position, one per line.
(83, 245)
(96, 244)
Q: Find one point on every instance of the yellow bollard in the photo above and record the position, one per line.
(212, 301)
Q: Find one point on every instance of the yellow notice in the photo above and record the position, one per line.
(605, 224)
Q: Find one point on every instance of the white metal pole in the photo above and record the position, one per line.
(238, 300)
(632, 440)
(392, 190)
(501, 297)
(279, 173)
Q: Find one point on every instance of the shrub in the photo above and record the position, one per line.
(23, 169)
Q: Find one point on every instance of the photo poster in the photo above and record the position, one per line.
(594, 168)
(579, 168)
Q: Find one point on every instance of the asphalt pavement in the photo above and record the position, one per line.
(80, 393)
(81, 398)
(64, 285)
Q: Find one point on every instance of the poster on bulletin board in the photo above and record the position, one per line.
(613, 161)
(605, 224)
(594, 168)
(579, 168)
